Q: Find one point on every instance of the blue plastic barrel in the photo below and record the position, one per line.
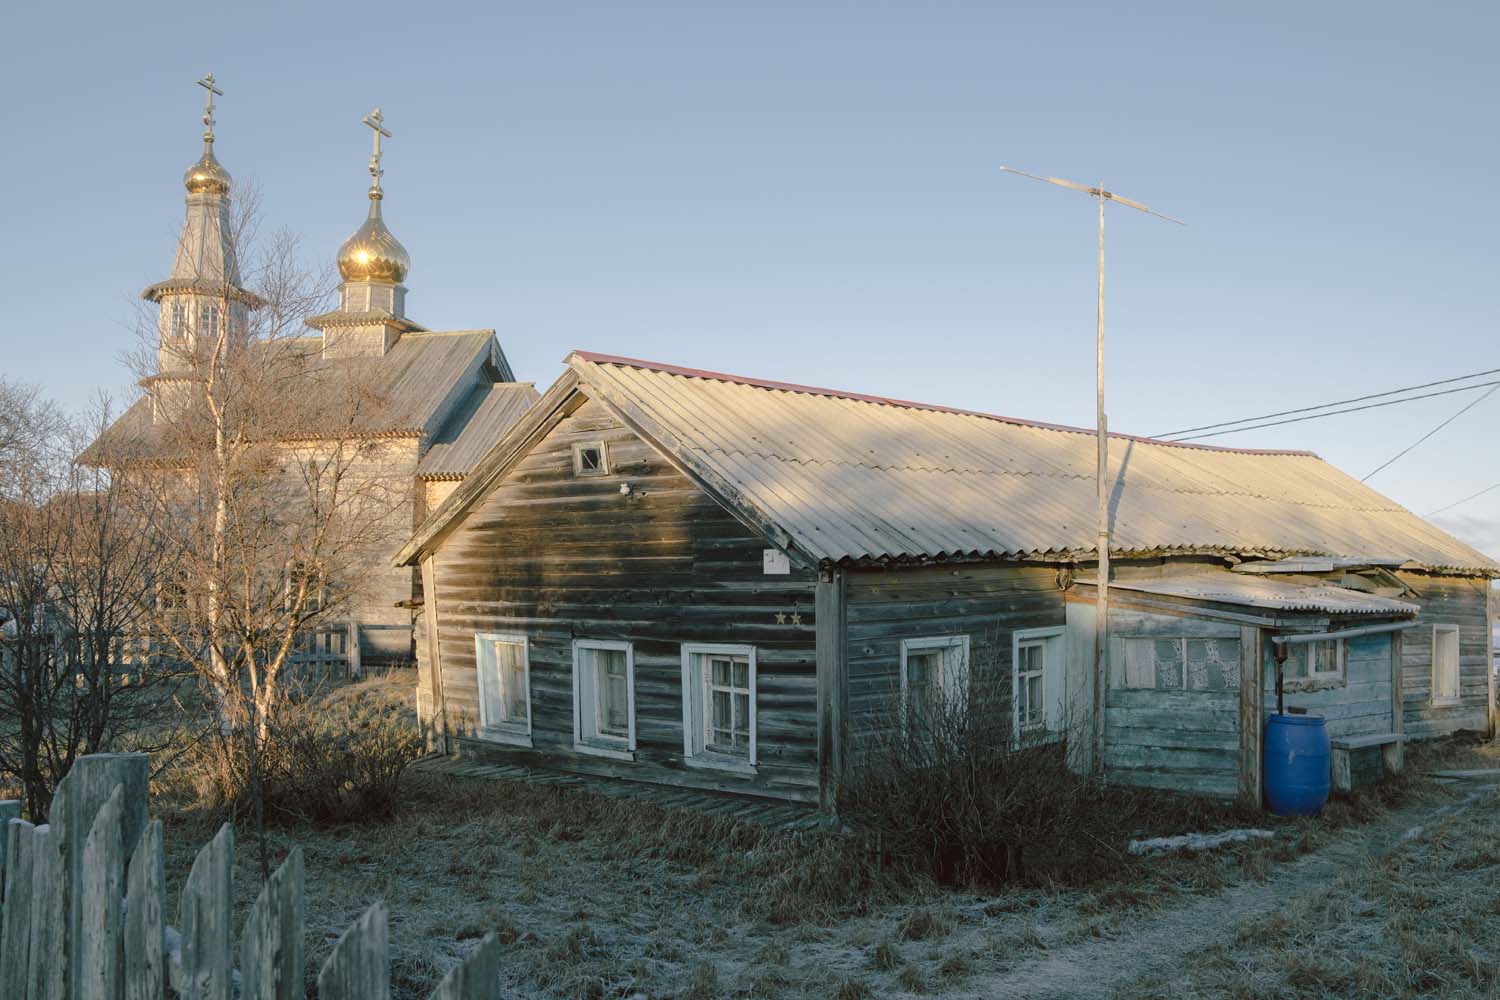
(1297, 763)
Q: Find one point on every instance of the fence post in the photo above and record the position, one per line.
(477, 978)
(360, 966)
(45, 981)
(101, 884)
(9, 809)
(271, 943)
(351, 652)
(15, 918)
(204, 913)
(78, 798)
(145, 920)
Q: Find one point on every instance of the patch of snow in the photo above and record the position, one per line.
(1196, 841)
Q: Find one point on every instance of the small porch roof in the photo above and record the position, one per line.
(1265, 592)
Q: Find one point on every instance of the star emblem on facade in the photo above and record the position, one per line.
(780, 618)
(796, 618)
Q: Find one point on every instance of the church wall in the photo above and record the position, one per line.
(385, 628)
(435, 491)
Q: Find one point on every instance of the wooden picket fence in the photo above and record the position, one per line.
(83, 915)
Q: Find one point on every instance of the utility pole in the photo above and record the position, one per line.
(1101, 475)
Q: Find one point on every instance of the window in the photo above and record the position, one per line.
(1031, 663)
(590, 459)
(1445, 665)
(172, 598)
(1179, 664)
(1038, 665)
(1314, 661)
(718, 706)
(934, 679)
(603, 697)
(298, 571)
(208, 320)
(504, 667)
(178, 329)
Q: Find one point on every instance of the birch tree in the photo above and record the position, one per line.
(261, 473)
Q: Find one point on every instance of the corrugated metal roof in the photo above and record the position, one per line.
(1320, 564)
(854, 478)
(474, 427)
(1260, 592)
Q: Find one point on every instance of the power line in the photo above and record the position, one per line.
(1471, 496)
(1467, 407)
(1334, 413)
(1340, 402)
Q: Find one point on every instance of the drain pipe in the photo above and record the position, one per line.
(1280, 644)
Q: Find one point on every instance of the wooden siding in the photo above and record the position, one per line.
(558, 556)
(1184, 741)
(985, 602)
(1446, 600)
(1361, 705)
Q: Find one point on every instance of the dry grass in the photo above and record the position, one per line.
(602, 897)
(1423, 921)
(1461, 751)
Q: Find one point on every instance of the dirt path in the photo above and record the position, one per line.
(1160, 941)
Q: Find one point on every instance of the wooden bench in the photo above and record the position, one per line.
(1364, 760)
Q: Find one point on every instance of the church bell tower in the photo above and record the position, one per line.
(203, 297)
(371, 315)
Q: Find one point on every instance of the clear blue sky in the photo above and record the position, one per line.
(810, 192)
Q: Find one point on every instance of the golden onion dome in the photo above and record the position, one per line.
(373, 253)
(207, 176)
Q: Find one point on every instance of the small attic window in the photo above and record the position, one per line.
(590, 459)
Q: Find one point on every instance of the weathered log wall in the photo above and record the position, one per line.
(1359, 704)
(987, 603)
(1181, 740)
(557, 557)
(1446, 600)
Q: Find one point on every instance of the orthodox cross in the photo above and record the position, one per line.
(207, 83)
(377, 125)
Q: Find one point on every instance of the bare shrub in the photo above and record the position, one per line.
(948, 787)
(330, 760)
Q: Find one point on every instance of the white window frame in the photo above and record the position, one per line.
(951, 680)
(177, 321)
(504, 731)
(1338, 674)
(1458, 673)
(578, 450)
(1052, 640)
(695, 701)
(208, 319)
(317, 585)
(587, 738)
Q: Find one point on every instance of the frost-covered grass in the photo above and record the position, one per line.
(1423, 921)
(604, 897)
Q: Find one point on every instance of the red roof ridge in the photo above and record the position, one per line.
(810, 390)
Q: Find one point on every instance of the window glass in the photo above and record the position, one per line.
(503, 697)
(1030, 684)
(1445, 663)
(612, 685)
(512, 659)
(924, 672)
(728, 723)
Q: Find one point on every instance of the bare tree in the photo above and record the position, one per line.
(72, 565)
(262, 472)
